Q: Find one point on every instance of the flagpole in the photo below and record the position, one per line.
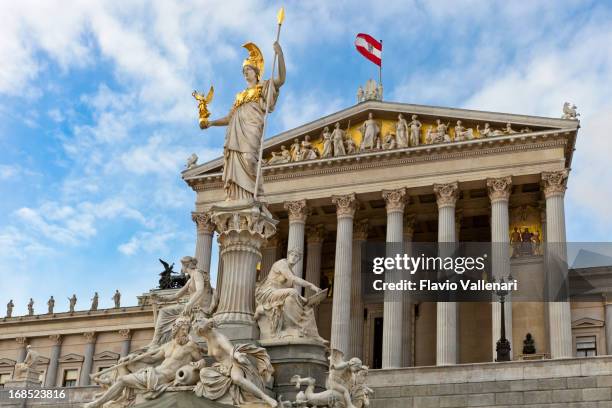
(380, 69)
(280, 17)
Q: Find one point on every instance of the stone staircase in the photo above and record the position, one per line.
(573, 383)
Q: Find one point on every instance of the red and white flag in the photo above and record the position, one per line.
(369, 48)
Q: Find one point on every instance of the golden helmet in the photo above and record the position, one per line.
(255, 58)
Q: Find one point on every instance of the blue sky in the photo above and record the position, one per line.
(97, 118)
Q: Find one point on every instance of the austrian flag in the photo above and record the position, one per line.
(369, 48)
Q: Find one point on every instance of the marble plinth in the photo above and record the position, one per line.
(28, 379)
(300, 356)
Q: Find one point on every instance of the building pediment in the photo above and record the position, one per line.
(587, 322)
(6, 363)
(71, 358)
(106, 355)
(521, 127)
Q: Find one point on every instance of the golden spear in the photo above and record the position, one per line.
(280, 17)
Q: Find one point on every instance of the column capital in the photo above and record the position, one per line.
(554, 182)
(22, 340)
(125, 333)
(446, 194)
(203, 220)
(360, 230)
(315, 234)
(499, 188)
(56, 339)
(409, 226)
(346, 205)
(90, 337)
(395, 200)
(298, 210)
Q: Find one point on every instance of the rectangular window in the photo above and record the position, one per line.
(4, 377)
(70, 378)
(586, 346)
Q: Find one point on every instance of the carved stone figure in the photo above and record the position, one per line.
(486, 131)
(369, 132)
(351, 147)
(117, 299)
(360, 94)
(245, 124)
(515, 241)
(200, 297)
(295, 150)
(338, 140)
(192, 161)
(461, 133)
(50, 305)
(285, 155)
(307, 152)
(509, 130)
(415, 131)
(9, 308)
(282, 312)
(29, 364)
(537, 243)
(72, 303)
(401, 132)
(233, 378)
(570, 111)
(163, 363)
(31, 307)
(328, 144)
(276, 157)
(529, 344)
(94, 302)
(389, 141)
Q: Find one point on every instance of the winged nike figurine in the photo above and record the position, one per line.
(203, 102)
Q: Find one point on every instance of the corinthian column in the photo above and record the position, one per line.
(360, 235)
(90, 348)
(298, 212)
(314, 242)
(23, 342)
(407, 306)
(346, 205)
(269, 255)
(56, 349)
(446, 323)
(126, 334)
(205, 230)
(243, 228)
(559, 316)
(499, 194)
(395, 201)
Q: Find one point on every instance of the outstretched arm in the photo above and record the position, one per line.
(280, 79)
(217, 122)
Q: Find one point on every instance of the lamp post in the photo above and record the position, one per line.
(503, 344)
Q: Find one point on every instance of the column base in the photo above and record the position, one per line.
(239, 332)
(306, 358)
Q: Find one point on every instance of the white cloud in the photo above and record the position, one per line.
(148, 242)
(8, 171)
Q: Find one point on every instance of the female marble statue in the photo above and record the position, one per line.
(245, 124)
(308, 152)
(338, 139)
(401, 132)
(294, 150)
(461, 133)
(281, 311)
(415, 131)
(327, 143)
(369, 131)
(486, 131)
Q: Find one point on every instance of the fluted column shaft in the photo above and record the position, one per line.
(269, 255)
(559, 314)
(126, 344)
(205, 231)
(23, 342)
(298, 213)
(393, 306)
(90, 348)
(56, 349)
(360, 235)
(499, 193)
(407, 305)
(341, 307)
(446, 322)
(314, 244)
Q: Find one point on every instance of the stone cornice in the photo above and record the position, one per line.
(554, 182)
(398, 157)
(499, 188)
